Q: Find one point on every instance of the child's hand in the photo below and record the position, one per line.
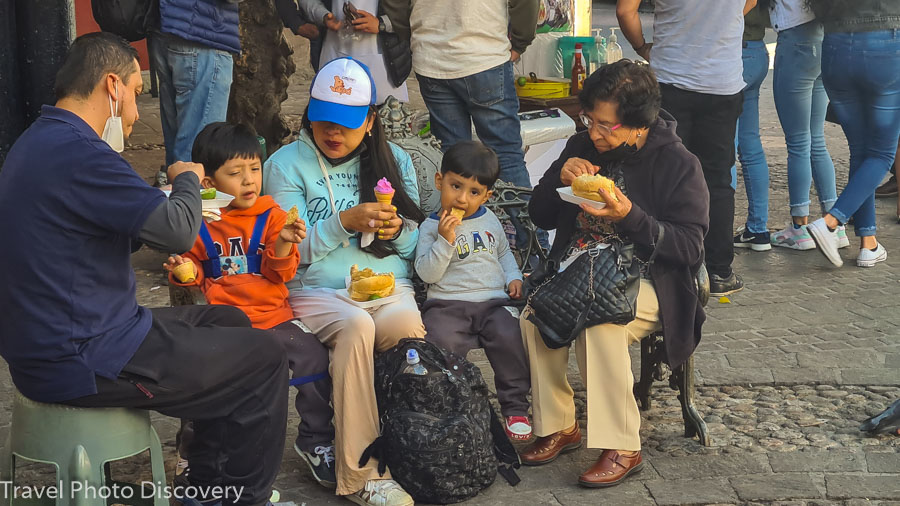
(295, 232)
(174, 261)
(515, 289)
(447, 226)
(183, 270)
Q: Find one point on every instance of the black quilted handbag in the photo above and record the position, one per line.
(600, 286)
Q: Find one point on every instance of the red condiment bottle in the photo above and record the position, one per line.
(578, 71)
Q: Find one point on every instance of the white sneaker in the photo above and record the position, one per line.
(381, 493)
(868, 258)
(793, 238)
(843, 242)
(826, 240)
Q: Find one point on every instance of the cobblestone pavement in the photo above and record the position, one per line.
(786, 371)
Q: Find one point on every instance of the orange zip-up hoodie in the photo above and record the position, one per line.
(262, 296)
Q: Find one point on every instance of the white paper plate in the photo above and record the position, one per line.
(368, 304)
(222, 200)
(566, 194)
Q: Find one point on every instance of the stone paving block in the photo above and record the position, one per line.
(733, 375)
(888, 462)
(769, 360)
(630, 492)
(854, 358)
(818, 461)
(846, 486)
(880, 376)
(892, 360)
(804, 375)
(775, 487)
(710, 466)
(703, 491)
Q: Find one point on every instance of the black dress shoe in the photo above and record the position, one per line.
(720, 287)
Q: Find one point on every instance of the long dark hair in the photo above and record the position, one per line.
(376, 162)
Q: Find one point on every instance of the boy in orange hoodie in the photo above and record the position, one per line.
(244, 260)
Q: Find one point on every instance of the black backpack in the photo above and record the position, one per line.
(130, 19)
(439, 434)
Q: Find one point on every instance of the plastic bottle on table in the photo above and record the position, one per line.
(578, 71)
(613, 49)
(600, 42)
(413, 365)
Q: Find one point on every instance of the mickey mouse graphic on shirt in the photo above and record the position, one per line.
(478, 244)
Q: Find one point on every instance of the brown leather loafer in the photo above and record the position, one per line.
(545, 449)
(611, 468)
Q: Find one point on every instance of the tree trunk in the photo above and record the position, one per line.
(261, 73)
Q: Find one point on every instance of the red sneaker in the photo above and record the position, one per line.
(518, 428)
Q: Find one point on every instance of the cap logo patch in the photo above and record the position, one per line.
(339, 87)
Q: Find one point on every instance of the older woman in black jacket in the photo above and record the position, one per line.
(663, 206)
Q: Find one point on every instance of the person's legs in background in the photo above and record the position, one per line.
(859, 71)
(707, 126)
(750, 151)
(194, 86)
(158, 49)
(801, 102)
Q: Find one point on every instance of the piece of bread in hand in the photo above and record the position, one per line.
(366, 284)
(588, 187)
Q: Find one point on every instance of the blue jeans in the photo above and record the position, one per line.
(749, 147)
(487, 99)
(801, 102)
(194, 84)
(862, 75)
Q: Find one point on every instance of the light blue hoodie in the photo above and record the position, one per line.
(293, 177)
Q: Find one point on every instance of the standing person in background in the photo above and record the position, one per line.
(463, 59)
(801, 101)
(696, 55)
(860, 65)
(297, 22)
(192, 53)
(362, 38)
(755, 232)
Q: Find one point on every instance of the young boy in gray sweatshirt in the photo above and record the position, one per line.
(468, 266)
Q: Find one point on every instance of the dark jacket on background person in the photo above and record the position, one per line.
(666, 186)
(857, 16)
(394, 47)
(211, 23)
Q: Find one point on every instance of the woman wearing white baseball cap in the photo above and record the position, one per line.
(330, 174)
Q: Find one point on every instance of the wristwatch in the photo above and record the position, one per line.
(381, 26)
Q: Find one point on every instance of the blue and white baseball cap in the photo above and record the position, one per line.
(341, 92)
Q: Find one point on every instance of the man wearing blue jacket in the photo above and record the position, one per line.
(192, 53)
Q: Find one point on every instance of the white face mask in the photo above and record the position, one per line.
(113, 132)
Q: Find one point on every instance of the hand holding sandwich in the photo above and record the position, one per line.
(575, 167)
(617, 206)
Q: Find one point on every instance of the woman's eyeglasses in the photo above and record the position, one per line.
(590, 124)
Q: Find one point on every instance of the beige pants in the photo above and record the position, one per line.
(613, 420)
(353, 335)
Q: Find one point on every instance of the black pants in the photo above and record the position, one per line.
(706, 125)
(460, 326)
(206, 364)
(307, 356)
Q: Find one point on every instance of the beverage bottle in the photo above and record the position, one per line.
(600, 42)
(413, 366)
(613, 49)
(578, 71)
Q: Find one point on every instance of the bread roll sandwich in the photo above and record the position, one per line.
(366, 284)
(588, 187)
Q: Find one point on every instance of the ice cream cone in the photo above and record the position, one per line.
(184, 273)
(384, 198)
